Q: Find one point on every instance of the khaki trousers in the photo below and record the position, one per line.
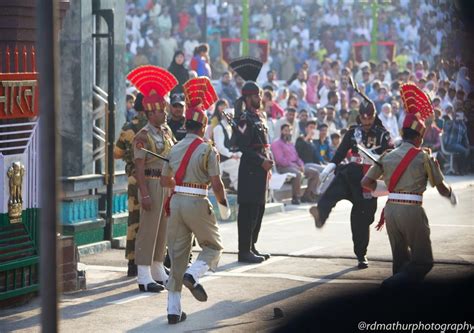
(150, 244)
(191, 215)
(409, 235)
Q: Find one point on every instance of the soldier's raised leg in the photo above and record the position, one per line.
(199, 217)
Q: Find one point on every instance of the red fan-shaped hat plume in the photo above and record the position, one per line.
(154, 83)
(417, 107)
(148, 79)
(200, 96)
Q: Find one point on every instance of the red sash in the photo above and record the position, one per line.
(181, 172)
(397, 174)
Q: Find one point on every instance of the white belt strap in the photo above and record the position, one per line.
(403, 196)
(190, 190)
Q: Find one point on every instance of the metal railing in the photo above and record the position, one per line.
(98, 128)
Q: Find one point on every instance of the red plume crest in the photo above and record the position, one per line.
(199, 92)
(416, 101)
(148, 79)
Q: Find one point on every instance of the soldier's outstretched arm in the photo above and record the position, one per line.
(140, 176)
(218, 189)
(368, 183)
(166, 178)
(166, 181)
(444, 189)
(343, 148)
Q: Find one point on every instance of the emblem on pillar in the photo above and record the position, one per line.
(15, 175)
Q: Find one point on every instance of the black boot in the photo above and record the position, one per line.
(317, 219)
(174, 319)
(132, 268)
(250, 258)
(265, 255)
(196, 289)
(363, 262)
(152, 287)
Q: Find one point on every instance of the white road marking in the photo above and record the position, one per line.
(131, 298)
(467, 257)
(311, 249)
(295, 277)
(105, 268)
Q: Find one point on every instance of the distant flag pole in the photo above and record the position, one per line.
(375, 30)
(245, 27)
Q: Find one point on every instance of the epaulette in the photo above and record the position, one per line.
(141, 133)
(210, 142)
(427, 150)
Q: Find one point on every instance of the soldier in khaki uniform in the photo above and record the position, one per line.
(124, 150)
(193, 165)
(406, 172)
(155, 83)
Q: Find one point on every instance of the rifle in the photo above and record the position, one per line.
(355, 86)
(230, 120)
(155, 154)
(368, 154)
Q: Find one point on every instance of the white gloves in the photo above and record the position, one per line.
(327, 170)
(380, 190)
(453, 198)
(224, 210)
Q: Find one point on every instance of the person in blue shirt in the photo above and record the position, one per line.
(322, 145)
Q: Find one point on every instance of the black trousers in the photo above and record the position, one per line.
(249, 222)
(346, 185)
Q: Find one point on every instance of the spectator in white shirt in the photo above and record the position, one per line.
(389, 121)
(229, 158)
(300, 82)
(290, 119)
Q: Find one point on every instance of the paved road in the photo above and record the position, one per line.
(308, 266)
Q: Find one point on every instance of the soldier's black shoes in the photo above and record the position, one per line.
(295, 201)
(132, 268)
(250, 258)
(196, 289)
(151, 287)
(265, 255)
(174, 319)
(363, 262)
(317, 220)
(306, 199)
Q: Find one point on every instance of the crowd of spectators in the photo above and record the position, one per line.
(307, 96)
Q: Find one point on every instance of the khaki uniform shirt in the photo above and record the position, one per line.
(204, 162)
(156, 140)
(124, 145)
(415, 178)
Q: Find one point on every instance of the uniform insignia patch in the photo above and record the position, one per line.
(242, 128)
(139, 145)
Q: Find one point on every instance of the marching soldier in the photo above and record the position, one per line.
(124, 150)
(155, 83)
(193, 165)
(406, 172)
(346, 184)
(255, 164)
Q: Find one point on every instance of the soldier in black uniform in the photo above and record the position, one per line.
(255, 164)
(370, 133)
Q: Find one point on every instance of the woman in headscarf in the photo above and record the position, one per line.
(312, 89)
(179, 71)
